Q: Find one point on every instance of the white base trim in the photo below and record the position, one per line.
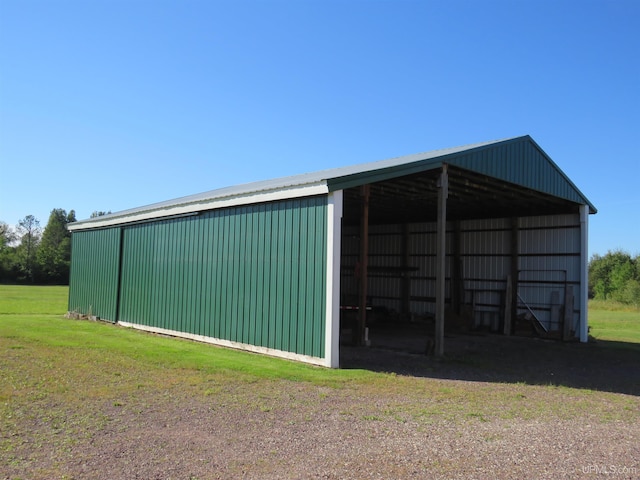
(229, 344)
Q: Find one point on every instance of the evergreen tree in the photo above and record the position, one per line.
(29, 232)
(54, 252)
(99, 213)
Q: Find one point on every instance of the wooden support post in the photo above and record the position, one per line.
(508, 301)
(405, 285)
(364, 263)
(441, 245)
(554, 311)
(583, 289)
(456, 270)
(515, 255)
(567, 320)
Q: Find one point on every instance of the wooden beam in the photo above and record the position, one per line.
(457, 285)
(513, 284)
(567, 320)
(508, 302)
(405, 285)
(583, 289)
(441, 245)
(364, 264)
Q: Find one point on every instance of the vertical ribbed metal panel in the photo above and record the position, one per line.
(252, 274)
(485, 251)
(385, 257)
(93, 284)
(549, 261)
(485, 248)
(520, 162)
(422, 249)
(349, 258)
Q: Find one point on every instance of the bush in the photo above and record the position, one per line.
(616, 277)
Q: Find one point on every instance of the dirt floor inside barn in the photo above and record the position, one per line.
(494, 407)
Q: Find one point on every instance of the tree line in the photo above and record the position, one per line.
(616, 277)
(29, 254)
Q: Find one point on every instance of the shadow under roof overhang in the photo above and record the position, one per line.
(413, 198)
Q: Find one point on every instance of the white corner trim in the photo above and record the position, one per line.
(228, 343)
(159, 212)
(332, 295)
(584, 273)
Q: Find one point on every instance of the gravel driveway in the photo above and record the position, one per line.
(295, 430)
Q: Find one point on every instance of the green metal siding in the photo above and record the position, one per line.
(252, 274)
(93, 285)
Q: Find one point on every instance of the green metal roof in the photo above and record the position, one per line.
(518, 160)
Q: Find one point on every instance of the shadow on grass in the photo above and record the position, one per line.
(597, 365)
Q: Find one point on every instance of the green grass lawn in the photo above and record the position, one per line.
(33, 315)
(32, 322)
(32, 327)
(22, 300)
(615, 325)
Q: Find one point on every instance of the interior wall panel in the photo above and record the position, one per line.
(548, 245)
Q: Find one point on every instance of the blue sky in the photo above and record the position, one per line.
(108, 105)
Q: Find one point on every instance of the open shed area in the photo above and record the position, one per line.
(490, 237)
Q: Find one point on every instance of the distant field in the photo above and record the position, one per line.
(608, 321)
(21, 299)
(618, 325)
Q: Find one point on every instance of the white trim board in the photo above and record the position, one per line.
(332, 291)
(159, 212)
(228, 343)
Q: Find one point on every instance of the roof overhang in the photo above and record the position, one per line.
(195, 204)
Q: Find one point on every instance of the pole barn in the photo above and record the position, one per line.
(486, 236)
